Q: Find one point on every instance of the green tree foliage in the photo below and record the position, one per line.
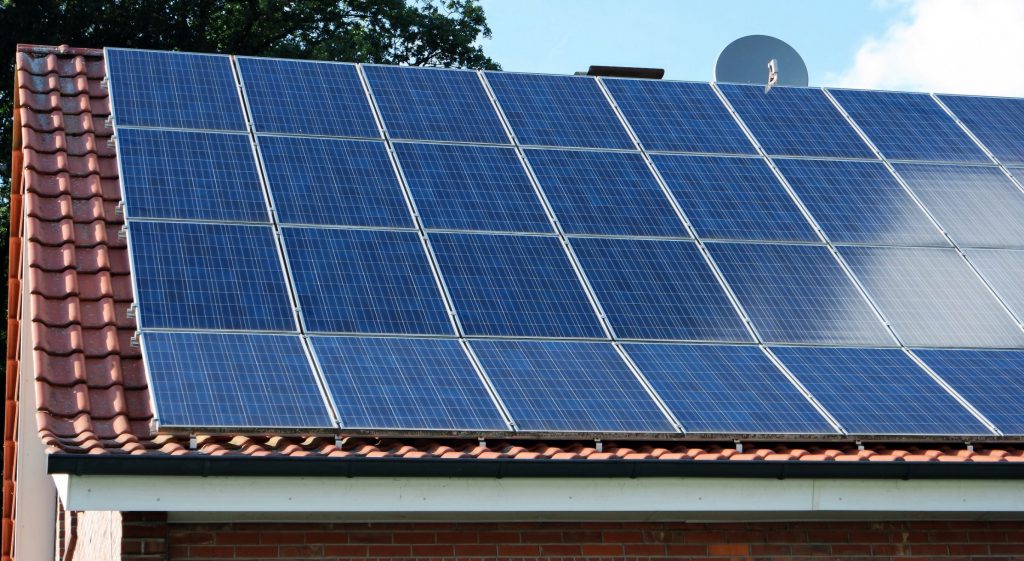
(415, 32)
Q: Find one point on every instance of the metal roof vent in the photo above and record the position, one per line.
(624, 72)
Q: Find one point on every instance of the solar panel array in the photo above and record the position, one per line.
(323, 247)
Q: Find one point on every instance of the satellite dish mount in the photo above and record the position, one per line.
(773, 75)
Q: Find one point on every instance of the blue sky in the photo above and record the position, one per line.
(928, 45)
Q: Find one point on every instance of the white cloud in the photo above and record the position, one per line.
(946, 46)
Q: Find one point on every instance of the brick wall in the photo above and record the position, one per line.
(905, 540)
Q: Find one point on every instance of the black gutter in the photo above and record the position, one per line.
(208, 466)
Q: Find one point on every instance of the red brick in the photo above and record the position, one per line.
(196, 538)
(703, 537)
(456, 537)
(601, 550)
(849, 549)
(475, 550)
(541, 537)
(1006, 549)
(238, 538)
(414, 537)
(346, 550)
(288, 538)
(321, 537)
(300, 551)
(818, 536)
(254, 551)
(518, 550)
(370, 537)
(389, 550)
(928, 549)
(213, 551)
(622, 536)
(560, 550)
(773, 549)
(498, 537)
(728, 549)
(644, 549)
(967, 548)
(434, 550)
(682, 550)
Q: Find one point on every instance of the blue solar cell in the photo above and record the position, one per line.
(1017, 173)
(190, 175)
(909, 126)
(678, 116)
(859, 202)
(726, 389)
(333, 182)
(547, 110)
(304, 97)
(471, 188)
(795, 122)
(878, 392)
(611, 193)
(733, 198)
(239, 380)
(798, 294)
(569, 386)
(412, 384)
(658, 289)
(932, 297)
(173, 90)
(514, 285)
(435, 104)
(977, 205)
(1003, 269)
(209, 276)
(991, 381)
(364, 281)
(998, 122)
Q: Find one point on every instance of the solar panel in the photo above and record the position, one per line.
(989, 380)
(333, 182)
(1003, 270)
(190, 175)
(471, 188)
(798, 294)
(364, 281)
(434, 104)
(997, 121)
(304, 97)
(909, 126)
(795, 122)
(733, 198)
(678, 116)
(611, 193)
(932, 298)
(1017, 173)
(569, 386)
(412, 384)
(658, 289)
(878, 392)
(859, 202)
(209, 276)
(514, 286)
(173, 90)
(977, 205)
(726, 389)
(238, 380)
(547, 110)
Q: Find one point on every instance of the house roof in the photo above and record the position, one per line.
(91, 388)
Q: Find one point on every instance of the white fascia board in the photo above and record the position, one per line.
(656, 497)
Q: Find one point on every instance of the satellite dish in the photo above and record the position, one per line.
(762, 60)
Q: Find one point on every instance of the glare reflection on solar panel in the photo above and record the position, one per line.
(174, 90)
(733, 198)
(305, 97)
(726, 389)
(795, 122)
(998, 122)
(332, 181)
(658, 289)
(434, 104)
(1003, 270)
(190, 175)
(569, 386)
(878, 392)
(413, 384)
(932, 298)
(209, 276)
(471, 188)
(859, 202)
(237, 380)
(990, 380)
(548, 110)
(909, 126)
(977, 205)
(364, 281)
(514, 286)
(611, 193)
(678, 116)
(798, 294)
